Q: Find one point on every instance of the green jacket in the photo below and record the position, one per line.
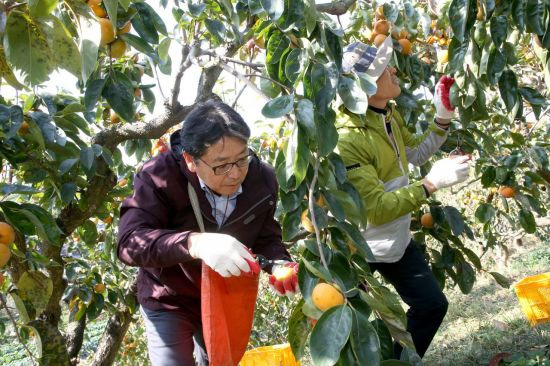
(379, 170)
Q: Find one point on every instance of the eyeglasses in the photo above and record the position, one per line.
(225, 168)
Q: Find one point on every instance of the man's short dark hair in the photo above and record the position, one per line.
(209, 122)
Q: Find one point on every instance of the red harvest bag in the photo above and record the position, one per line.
(227, 310)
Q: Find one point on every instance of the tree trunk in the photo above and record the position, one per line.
(75, 336)
(111, 339)
(114, 332)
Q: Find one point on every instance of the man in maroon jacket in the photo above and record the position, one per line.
(159, 233)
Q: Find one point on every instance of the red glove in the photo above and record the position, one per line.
(443, 107)
(284, 279)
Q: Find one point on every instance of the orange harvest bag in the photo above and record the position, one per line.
(227, 310)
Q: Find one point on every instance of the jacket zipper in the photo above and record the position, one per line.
(394, 146)
(247, 211)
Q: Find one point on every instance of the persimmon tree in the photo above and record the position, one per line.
(65, 157)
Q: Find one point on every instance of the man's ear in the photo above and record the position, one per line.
(190, 161)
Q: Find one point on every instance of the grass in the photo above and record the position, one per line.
(489, 319)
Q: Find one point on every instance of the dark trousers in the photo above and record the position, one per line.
(173, 339)
(415, 283)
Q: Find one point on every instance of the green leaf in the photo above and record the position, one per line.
(36, 288)
(307, 281)
(472, 257)
(66, 165)
(95, 307)
(163, 49)
(324, 81)
(330, 335)
(274, 8)
(196, 9)
(534, 10)
(457, 53)
(455, 220)
(501, 280)
(364, 340)
(156, 19)
(293, 64)
(216, 29)
(276, 45)
(518, 14)
(540, 156)
(352, 95)
(485, 213)
(384, 335)
(298, 330)
(327, 134)
(6, 189)
(466, 277)
(87, 158)
(21, 309)
(499, 29)
(488, 176)
(144, 24)
(527, 221)
(279, 106)
(45, 225)
(119, 92)
(305, 117)
(358, 240)
(89, 46)
(508, 86)
(6, 72)
(140, 45)
(310, 13)
(297, 155)
(339, 266)
(93, 92)
(532, 96)
(68, 190)
(318, 270)
(495, 65)
(111, 6)
(458, 16)
(27, 48)
(40, 8)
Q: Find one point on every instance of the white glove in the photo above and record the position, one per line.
(449, 171)
(221, 252)
(443, 107)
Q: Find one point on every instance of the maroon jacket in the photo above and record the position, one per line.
(157, 219)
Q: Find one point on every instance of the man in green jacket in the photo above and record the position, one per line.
(377, 149)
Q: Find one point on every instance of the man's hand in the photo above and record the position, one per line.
(447, 172)
(223, 253)
(443, 107)
(284, 279)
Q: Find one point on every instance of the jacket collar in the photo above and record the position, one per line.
(370, 119)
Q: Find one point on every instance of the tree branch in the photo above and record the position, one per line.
(312, 211)
(252, 65)
(335, 8)
(243, 79)
(184, 65)
(74, 336)
(114, 332)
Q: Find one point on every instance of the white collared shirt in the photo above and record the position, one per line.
(222, 206)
